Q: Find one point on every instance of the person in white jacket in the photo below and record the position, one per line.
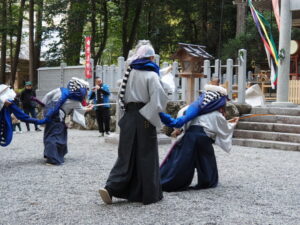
(135, 175)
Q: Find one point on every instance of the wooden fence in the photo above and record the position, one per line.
(294, 91)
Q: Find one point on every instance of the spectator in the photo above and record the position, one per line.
(29, 106)
(100, 95)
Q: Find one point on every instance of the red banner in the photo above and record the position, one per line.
(88, 65)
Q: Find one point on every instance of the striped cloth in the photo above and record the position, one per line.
(211, 96)
(123, 88)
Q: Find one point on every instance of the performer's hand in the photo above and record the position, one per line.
(89, 107)
(176, 133)
(7, 103)
(234, 120)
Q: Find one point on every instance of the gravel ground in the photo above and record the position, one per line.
(257, 186)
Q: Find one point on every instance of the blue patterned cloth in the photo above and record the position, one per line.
(145, 64)
(194, 110)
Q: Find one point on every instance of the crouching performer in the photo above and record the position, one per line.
(8, 107)
(204, 124)
(135, 175)
(59, 103)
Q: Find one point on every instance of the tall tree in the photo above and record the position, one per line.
(99, 29)
(15, 61)
(31, 40)
(130, 26)
(77, 14)
(3, 41)
(38, 38)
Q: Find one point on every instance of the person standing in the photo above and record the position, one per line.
(28, 104)
(100, 95)
(135, 175)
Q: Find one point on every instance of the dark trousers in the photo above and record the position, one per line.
(103, 119)
(135, 175)
(32, 113)
(194, 150)
(17, 125)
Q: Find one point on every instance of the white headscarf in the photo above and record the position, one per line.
(143, 49)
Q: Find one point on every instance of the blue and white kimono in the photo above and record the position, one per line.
(205, 125)
(6, 129)
(59, 103)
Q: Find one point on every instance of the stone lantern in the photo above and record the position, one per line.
(191, 58)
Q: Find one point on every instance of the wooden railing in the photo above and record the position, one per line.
(294, 91)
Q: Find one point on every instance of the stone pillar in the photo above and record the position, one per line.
(156, 59)
(217, 69)
(207, 72)
(183, 89)
(242, 59)
(176, 79)
(284, 52)
(62, 73)
(229, 75)
(121, 67)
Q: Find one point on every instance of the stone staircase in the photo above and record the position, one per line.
(280, 131)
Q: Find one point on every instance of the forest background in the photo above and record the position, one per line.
(115, 26)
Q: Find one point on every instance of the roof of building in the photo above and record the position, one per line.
(195, 50)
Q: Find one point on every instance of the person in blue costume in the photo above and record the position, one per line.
(100, 95)
(204, 124)
(8, 107)
(59, 103)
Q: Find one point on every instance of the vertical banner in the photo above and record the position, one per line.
(88, 65)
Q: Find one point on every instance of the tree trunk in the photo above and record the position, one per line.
(76, 21)
(31, 40)
(135, 24)
(3, 41)
(104, 35)
(124, 28)
(15, 62)
(240, 18)
(38, 39)
(94, 25)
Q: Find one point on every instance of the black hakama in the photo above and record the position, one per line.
(194, 150)
(55, 142)
(135, 175)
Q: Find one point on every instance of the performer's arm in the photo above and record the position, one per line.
(157, 103)
(105, 89)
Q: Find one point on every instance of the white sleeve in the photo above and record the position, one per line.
(158, 101)
(224, 131)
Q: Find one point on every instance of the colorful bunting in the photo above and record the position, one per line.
(264, 30)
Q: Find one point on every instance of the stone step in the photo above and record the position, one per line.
(256, 143)
(266, 135)
(274, 119)
(295, 111)
(275, 127)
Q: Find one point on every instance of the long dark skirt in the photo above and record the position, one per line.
(55, 142)
(193, 151)
(135, 175)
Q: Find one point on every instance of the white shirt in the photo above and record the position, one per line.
(216, 127)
